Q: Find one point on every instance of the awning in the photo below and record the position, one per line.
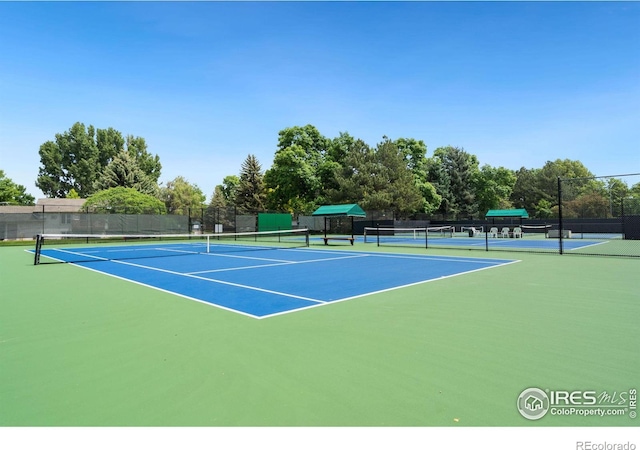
(519, 213)
(351, 210)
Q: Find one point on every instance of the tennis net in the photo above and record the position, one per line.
(536, 230)
(73, 248)
(406, 236)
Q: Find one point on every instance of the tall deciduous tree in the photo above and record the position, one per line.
(69, 162)
(547, 179)
(493, 187)
(250, 195)
(12, 193)
(415, 154)
(182, 197)
(229, 188)
(295, 180)
(77, 157)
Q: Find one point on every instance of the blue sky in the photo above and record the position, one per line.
(206, 84)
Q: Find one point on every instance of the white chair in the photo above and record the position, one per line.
(517, 232)
(493, 232)
(505, 232)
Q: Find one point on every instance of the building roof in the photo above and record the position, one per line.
(15, 209)
(59, 204)
(54, 205)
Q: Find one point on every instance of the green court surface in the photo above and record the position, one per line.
(78, 348)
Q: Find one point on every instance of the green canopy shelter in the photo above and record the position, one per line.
(507, 214)
(329, 211)
(518, 213)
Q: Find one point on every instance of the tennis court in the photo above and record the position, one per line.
(262, 281)
(114, 342)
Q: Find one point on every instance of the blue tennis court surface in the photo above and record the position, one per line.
(269, 282)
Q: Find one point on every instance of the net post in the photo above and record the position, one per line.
(426, 239)
(378, 234)
(208, 244)
(306, 237)
(486, 239)
(36, 256)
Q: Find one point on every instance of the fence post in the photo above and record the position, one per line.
(560, 223)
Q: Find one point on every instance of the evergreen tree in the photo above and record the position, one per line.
(250, 194)
(453, 172)
(124, 171)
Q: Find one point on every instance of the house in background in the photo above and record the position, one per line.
(51, 214)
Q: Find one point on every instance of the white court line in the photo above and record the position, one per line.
(388, 289)
(97, 258)
(585, 246)
(204, 302)
(316, 301)
(228, 283)
(478, 260)
(276, 264)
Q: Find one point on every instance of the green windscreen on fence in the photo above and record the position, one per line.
(274, 222)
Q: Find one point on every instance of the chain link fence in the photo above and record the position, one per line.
(593, 216)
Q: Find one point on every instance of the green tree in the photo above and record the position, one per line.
(292, 181)
(73, 194)
(218, 199)
(123, 170)
(110, 143)
(77, 157)
(526, 193)
(453, 172)
(376, 179)
(300, 168)
(182, 197)
(544, 209)
(578, 180)
(617, 190)
(124, 200)
(218, 210)
(352, 176)
(395, 181)
(250, 195)
(12, 193)
(591, 205)
(148, 163)
(339, 147)
(493, 188)
(230, 188)
(631, 203)
(415, 155)
(69, 162)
